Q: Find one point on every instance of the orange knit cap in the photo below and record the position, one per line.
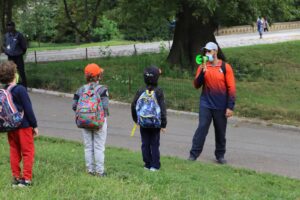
(93, 69)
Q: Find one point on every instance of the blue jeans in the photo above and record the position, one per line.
(206, 115)
(150, 147)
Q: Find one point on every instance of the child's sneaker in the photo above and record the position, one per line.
(15, 182)
(103, 174)
(25, 183)
(153, 169)
(91, 173)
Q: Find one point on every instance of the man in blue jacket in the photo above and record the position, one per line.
(15, 47)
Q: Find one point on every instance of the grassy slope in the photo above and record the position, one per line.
(268, 86)
(59, 174)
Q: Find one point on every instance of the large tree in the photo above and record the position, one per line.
(197, 20)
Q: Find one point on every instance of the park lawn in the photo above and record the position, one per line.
(268, 80)
(59, 173)
(34, 46)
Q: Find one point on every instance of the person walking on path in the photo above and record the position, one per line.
(260, 27)
(216, 102)
(148, 110)
(265, 24)
(15, 47)
(21, 140)
(94, 138)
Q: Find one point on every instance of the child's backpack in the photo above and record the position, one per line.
(89, 111)
(148, 111)
(10, 117)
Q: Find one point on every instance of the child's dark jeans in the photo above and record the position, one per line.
(150, 147)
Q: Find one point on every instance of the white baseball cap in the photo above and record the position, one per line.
(211, 46)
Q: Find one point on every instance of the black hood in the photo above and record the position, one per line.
(151, 75)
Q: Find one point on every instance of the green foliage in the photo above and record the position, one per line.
(107, 31)
(145, 20)
(36, 20)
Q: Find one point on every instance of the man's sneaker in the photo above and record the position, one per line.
(153, 169)
(103, 174)
(192, 158)
(15, 182)
(25, 183)
(221, 161)
(146, 168)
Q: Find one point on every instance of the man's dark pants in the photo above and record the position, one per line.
(150, 147)
(18, 60)
(206, 115)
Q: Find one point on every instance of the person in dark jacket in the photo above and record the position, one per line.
(21, 140)
(15, 47)
(151, 136)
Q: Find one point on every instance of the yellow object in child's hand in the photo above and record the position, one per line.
(17, 78)
(133, 130)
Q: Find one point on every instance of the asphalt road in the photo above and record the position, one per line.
(249, 145)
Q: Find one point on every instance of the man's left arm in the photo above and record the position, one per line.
(231, 89)
(23, 43)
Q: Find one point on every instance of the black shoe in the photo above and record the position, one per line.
(103, 174)
(92, 173)
(192, 158)
(15, 182)
(25, 183)
(221, 161)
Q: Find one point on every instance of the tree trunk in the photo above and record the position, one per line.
(95, 17)
(189, 37)
(73, 24)
(9, 6)
(2, 22)
(3, 6)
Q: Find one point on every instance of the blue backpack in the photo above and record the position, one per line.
(148, 111)
(10, 117)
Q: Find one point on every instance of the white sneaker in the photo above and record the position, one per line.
(152, 169)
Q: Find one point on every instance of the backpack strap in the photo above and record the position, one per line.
(11, 87)
(223, 67)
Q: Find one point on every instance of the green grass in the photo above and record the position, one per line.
(268, 80)
(34, 46)
(59, 173)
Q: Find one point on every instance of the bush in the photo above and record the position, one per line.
(108, 31)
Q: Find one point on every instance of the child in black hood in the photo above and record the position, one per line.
(151, 136)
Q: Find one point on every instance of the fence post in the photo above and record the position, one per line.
(135, 50)
(35, 58)
(86, 53)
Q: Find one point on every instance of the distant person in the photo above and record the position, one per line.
(90, 104)
(265, 25)
(15, 47)
(260, 29)
(21, 140)
(216, 102)
(148, 110)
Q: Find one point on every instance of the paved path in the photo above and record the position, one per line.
(126, 50)
(258, 147)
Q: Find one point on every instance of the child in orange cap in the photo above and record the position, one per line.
(89, 98)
